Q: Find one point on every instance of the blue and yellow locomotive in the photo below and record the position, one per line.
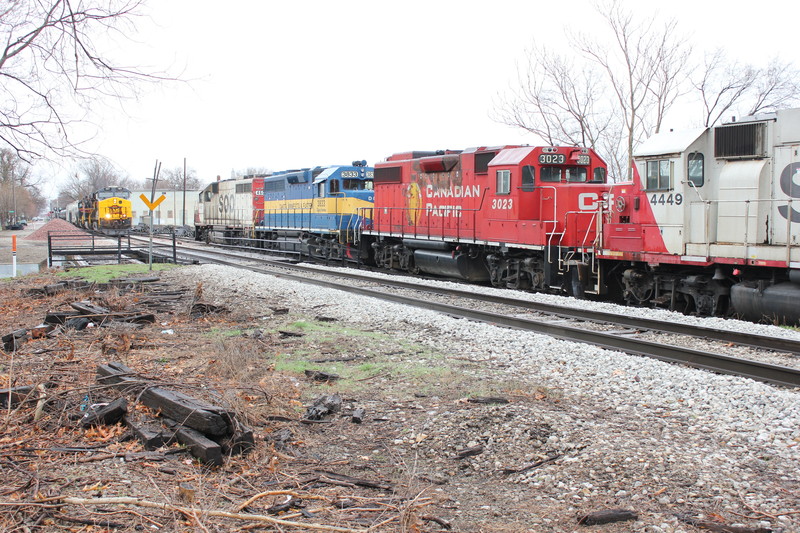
(321, 207)
(317, 211)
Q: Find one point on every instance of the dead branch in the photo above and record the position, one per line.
(278, 493)
(192, 512)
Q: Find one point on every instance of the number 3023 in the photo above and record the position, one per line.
(502, 203)
(663, 199)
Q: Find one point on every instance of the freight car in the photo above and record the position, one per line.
(520, 217)
(710, 223)
(107, 210)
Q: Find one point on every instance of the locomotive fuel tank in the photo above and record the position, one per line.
(451, 264)
(772, 303)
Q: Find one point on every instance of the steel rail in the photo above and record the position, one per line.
(747, 339)
(774, 374)
(703, 332)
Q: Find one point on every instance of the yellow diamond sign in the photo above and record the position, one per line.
(152, 205)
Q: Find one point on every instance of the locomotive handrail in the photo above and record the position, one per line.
(459, 228)
(554, 221)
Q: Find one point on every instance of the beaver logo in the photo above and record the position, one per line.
(413, 196)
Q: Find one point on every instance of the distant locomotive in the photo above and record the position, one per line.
(520, 217)
(313, 210)
(708, 224)
(107, 209)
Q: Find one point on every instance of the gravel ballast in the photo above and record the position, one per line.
(624, 431)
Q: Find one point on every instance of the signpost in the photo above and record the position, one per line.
(13, 256)
(151, 205)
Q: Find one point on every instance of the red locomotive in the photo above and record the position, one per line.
(519, 216)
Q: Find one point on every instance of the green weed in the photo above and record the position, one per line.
(105, 273)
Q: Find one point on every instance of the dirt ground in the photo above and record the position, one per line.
(255, 364)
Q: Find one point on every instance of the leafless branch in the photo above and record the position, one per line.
(52, 70)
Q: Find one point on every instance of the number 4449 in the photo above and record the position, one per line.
(664, 199)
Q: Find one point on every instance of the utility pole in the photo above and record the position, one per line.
(14, 196)
(183, 211)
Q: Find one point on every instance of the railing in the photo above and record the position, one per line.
(398, 221)
(61, 246)
(747, 221)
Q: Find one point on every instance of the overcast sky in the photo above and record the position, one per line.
(282, 85)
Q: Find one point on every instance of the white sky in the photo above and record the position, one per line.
(282, 84)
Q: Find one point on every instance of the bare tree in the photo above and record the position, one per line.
(91, 175)
(606, 96)
(642, 67)
(20, 196)
(721, 85)
(52, 68)
(256, 171)
(776, 87)
(556, 100)
(173, 179)
(671, 73)
(729, 86)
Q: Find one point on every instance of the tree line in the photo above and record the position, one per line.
(612, 89)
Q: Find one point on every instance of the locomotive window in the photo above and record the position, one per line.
(334, 186)
(503, 181)
(599, 175)
(659, 174)
(528, 174)
(274, 186)
(696, 164)
(356, 184)
(388, 174)
(576, 174)
(550, 174)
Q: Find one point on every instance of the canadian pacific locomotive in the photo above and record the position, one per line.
(707, 225)
(520, 217)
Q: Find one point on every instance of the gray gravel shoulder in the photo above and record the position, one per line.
(628, 431)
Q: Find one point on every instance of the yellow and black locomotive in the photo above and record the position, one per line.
(107, 210)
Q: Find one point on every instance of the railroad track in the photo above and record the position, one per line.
(568, 327)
